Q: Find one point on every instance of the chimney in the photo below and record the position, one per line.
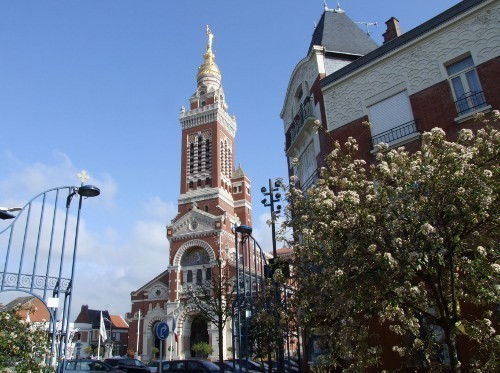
(392, 31)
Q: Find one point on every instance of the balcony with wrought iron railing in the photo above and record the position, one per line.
(397, 133)
(305, 112)
(311, 180)
(470, 102)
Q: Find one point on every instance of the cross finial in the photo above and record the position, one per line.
(83, 176)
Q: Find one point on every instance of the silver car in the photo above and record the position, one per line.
(88, 365)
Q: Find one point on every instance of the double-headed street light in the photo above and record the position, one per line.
(273, 196)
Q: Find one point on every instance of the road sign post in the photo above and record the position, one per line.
(162, 332)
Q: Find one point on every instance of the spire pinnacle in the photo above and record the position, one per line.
(209, 67)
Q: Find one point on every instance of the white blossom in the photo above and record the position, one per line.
(427, 229)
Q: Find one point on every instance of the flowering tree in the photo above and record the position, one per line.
(407, 246)
(23, 344)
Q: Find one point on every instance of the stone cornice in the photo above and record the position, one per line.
(208, 114)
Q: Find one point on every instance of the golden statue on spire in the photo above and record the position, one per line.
(209, 66)
(210, 38)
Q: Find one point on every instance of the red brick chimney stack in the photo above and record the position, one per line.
(393, 30)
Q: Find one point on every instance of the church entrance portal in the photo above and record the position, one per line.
(199, 333)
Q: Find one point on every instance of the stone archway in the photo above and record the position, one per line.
(199, 333)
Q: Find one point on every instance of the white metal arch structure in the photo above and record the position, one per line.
(38, 253)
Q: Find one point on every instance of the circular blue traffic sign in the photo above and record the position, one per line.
(162, 331)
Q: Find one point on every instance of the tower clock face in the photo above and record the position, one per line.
(193, 225)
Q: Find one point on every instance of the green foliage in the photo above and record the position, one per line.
(23, 345)
(202, 348)
(410, 242)
(155, 350)
(270, 321)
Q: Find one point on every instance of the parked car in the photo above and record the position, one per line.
(85, 365)
(229, 366)
(291, 366)
(251, 365)
(154, 365)
(128, 364)
(189, 365)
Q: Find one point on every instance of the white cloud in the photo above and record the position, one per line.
(158, 209)
(32, 179)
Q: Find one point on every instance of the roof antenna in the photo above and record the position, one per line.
(367, 25)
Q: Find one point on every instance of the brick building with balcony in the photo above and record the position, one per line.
(438, 74)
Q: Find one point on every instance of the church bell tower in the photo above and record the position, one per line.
(214, 194)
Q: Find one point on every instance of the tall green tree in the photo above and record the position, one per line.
(411, 243)
(213, 298)
(23, 345)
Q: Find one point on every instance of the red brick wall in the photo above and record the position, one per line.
(355, 129)
(489, 76)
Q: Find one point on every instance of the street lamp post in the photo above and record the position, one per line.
(43, 279)
(5, 212)
(272, 197)
(250, 284)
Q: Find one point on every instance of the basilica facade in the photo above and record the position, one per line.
(214, 197)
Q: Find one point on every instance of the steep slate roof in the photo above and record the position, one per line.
(338, 33)
(93, 317)
(401, 40)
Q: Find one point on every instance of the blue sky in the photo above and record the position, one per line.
(98, 85)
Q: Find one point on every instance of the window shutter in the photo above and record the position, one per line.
(390, 113)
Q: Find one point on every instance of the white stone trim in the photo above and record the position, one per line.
(199, 243)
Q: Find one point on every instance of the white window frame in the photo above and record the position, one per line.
(465, 86)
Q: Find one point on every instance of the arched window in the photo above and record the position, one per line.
(195, 256)
(199, 276)
(208, 274)
(189, 276)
